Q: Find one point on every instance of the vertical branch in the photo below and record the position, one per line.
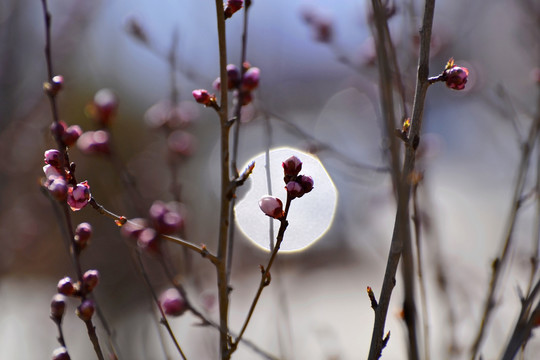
(221, 265)
(402, 225)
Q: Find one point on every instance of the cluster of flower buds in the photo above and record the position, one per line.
(296, 185)
(174, 119)
(454, 76)
(242, 84)
(102, 110)
(232, 7)
(172, 302)
(320, 23)
(165, 219)
(58, 182)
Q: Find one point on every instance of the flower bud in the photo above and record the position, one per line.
(53, 157)
(58, 307)
(232, 7)
(104, 105)
(133, 228)
(58, 188)
(85, 311)
(65, 287)
(181, 142)
(251, 78)
(272, 207)
(166, 218)
(456, 77)
(172, 302)
(51, 172)
(306, 182)
(60, 353)
(78, 196)
(90, 280)
(294, 189)
(58, 129)
(94, 142)
(291, 168)
(55, 85)
(148, 240)
(70, 136)
(83, 232)
(203, 97)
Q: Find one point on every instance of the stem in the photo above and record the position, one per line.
(500, 261)
(265, 278)
(402, 226)
(94, 339)
(226, 195)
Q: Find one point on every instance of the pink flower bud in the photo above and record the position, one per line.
(53, 157)
(148, 240)
(78, 196)
(232, 7)
(166, 218)
(133, 228)
(60, 353)
(233, 76)
(51, 172)
(85, 311)
(203, 97)
(58, 307)
(456, 77)
(65, 287)
(291, 168)
(247, 98)
(105, 105)
(294, 189)
(94, 142)
(272, 207)
(58, 188)
(90, 280)
(83, 232)
(58, 129)
(172, 302)
(71, 135)
(181, 143)
(251, 78)
(306, 182)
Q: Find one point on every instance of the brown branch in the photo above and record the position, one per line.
(402, 224)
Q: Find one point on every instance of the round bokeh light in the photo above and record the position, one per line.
(309, 216)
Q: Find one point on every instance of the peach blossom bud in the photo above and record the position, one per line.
(202, 96)
(78, 196)
(133, 228)
(181, 143)
(94, 142)
(90, 280)
(232, 7)
(294, 189)
(85, 311)
(456, 77)
(51, 172)
(172, 302)
(291, 168)
(272, 207)
(148, 240)
(306, 182)
(105, 104)
(71, 135)
(58, 129)
(58, 306)
(60, 353)
(83, 232)
(53, 157)
(251, 78)
(58, 188)
(165, 218)
(65, 287)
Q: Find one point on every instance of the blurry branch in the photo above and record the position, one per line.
(322, 146)
(401, 232)
(121, 220)
(499, 263)
(528, 319)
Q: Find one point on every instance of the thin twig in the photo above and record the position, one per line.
(402, 225)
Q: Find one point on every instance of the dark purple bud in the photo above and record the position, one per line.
(456, 77)
(291, 168)
(71, 135)
(294, 189)
(85, 311)
(53, 157)
(90, 280)
(172, 302)
(65, 286)
(166, 218)
(251, 78)
(60, 353)
(58, 307)
(306, 182)
(83, 232)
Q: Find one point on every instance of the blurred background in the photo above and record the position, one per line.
(318, 93)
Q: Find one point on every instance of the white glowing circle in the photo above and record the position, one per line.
(309, 216)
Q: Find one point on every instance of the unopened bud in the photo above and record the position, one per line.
(58, 307)
(85, 311)
(272, 207)
(172, 302)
